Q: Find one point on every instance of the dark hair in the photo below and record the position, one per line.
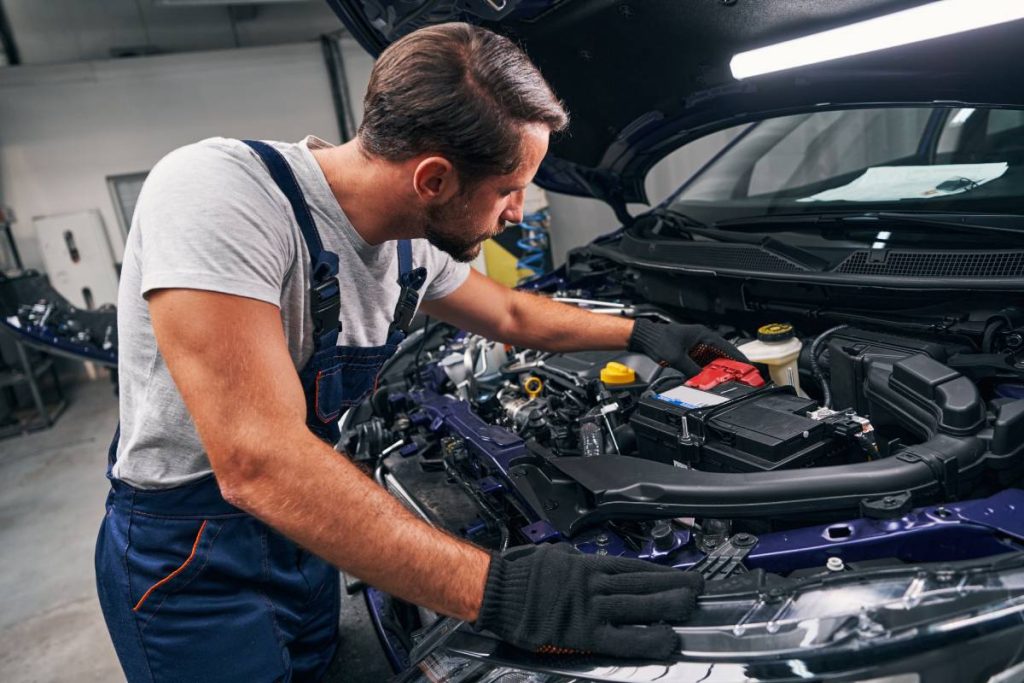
(458, 90)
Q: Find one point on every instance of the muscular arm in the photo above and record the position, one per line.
(229, 360)
(488, 308)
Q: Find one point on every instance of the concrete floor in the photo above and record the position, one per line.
(51, 502)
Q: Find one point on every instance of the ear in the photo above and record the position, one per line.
(434, 178)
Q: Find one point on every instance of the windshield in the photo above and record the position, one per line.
(950, 159)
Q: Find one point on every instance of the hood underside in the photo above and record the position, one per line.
(641, 79)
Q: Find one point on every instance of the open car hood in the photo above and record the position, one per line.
(640, 79)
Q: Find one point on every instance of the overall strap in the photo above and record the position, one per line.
(410, 280)
(324, 291)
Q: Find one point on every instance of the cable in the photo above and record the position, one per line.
(826, 392)
(419, 349)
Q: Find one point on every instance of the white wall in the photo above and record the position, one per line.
(65, 128)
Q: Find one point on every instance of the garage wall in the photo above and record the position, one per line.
(65, 128)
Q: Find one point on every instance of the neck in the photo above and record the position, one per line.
(371, 192)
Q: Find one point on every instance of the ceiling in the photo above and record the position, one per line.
(61, 31)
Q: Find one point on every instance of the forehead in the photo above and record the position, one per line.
(534, 147)
(535, 143)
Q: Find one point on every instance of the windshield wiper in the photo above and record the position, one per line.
(684, 218)
(689, 226)
(1006, 225)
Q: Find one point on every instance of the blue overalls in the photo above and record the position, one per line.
(195, 589)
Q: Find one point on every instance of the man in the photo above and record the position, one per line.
(229, 510)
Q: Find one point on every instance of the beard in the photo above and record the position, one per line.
(448, 228)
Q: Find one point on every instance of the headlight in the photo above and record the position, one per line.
(897, 623)
(441, 667)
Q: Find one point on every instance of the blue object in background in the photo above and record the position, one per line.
(534, 244)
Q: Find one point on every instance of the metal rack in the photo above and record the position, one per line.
(29, 367)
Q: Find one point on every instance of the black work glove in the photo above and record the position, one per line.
(554, 599)
(684, 347)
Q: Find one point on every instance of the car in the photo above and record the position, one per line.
(853, 497)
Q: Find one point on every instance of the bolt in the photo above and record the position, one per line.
(743, 539)
(835, 564)
(602, 539)
(602, 551)
(943, 512)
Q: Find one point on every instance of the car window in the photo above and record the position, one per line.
(840, 142)
(948, 158)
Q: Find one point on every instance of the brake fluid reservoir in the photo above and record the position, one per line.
(778, 348)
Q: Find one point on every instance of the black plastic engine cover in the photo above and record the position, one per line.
(587, 366)
(850, 351)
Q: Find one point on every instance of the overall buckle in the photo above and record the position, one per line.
(325, 305)
(405, 309)
(408, 299)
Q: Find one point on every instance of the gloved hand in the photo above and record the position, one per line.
(684, 347)
(554, 599)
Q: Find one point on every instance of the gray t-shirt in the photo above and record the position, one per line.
(209, 217)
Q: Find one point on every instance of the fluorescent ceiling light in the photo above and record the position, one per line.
(933, 20)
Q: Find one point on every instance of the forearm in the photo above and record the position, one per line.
(537, 322)
(322, 501)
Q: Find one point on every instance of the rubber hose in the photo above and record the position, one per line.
(990, 332)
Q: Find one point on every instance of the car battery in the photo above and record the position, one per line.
(732, 427)
(669, 425)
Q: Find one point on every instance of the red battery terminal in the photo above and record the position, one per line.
(723, 370)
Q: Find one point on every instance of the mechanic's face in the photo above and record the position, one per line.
(462, 224)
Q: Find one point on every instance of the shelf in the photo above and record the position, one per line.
(28, 420)
(9, 378)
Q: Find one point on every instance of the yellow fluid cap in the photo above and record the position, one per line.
(533, 386)
(775, 332)
(617, 373)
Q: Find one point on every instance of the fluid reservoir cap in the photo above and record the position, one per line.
(617, 373)
(533, 386)
(775, 332)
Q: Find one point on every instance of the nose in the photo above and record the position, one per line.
(513, 212)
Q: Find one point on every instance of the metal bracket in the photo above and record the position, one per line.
(726, 559)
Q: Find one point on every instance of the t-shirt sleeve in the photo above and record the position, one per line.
(209, 221)
(445, 275)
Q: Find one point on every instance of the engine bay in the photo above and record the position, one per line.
(724, 472)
